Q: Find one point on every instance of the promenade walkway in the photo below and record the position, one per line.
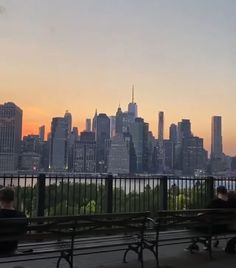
(172, 256)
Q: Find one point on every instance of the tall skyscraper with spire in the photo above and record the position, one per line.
(132, 107)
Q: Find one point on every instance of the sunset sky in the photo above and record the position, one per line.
(86, 54)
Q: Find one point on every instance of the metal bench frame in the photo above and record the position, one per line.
(66, 237)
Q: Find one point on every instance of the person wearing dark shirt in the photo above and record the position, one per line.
(221, 200)
(7, 210)
(232, 199)
(231, 244)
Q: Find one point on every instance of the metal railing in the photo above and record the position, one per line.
(50, 194)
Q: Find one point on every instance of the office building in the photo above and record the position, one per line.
(42, 133)
(112, 126)
(160, 145)
(119, 155)
(102, 140)
(10, 136)
(68, 120)
(194, 156)
(58, 147)
(85, 153)
(139, 131)
(216, 137)
(88, 124)
(173, 133)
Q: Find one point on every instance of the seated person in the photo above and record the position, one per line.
(7, 210)
(232, 199)
(231, 244)
(221, 200)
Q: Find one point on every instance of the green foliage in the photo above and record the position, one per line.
(73, 198)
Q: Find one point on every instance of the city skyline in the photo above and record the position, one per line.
(82, 127)
(166, 129)
(180, 56)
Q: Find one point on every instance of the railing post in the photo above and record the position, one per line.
(163, 199)
(41, 180)
(210, 192)
(109, 194)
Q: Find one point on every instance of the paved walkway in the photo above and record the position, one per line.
(171, 256)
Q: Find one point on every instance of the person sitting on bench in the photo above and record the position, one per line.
(7, 210)
(219, 202)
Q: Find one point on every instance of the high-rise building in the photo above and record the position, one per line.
(10, 136)
(169, 155)
(85, 153)
(132, 107)
(88, 127)
(161, 126)
(119, 121)
(216, 137)
(112, 126)
(194, 156)
(102, 139)
(119, 155)
(68, 120)
(58, 145)
(185, 128)
(31, 143)
(94, 123)
(160, 146)
(42, 133)
(139, 133)
(173, 133)
(71, 140)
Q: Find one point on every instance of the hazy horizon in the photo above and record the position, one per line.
(82, 55)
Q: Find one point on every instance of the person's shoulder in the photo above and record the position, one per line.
(217, 203)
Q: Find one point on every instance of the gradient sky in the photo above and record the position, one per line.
(82, 55)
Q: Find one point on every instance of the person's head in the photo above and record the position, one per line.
(231, 194)
(221, 192)
(7, 197)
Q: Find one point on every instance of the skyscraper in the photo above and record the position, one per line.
(94, 123)
(173, 133)
(41, 133)
(10, 136)
(139, 132)
(119, 155)
(161, 126)
(132, 107)
(85, 153)
(102, 139)
(194, 157)
(216, 137)
(112, 126)
(88, 125)
(161, 151)
(119, 121)
(68, 120)
(58, 148)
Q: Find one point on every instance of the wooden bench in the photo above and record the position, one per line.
(66, 237)
(189, 226)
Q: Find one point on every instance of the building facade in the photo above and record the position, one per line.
(10, 136)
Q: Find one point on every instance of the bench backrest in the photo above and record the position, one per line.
(195, 218)
(84, 225)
